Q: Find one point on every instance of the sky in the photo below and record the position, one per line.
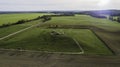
(41, 5)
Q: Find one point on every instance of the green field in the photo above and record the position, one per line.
(80, 19)
(39, 38)
(12, 18)
(85, 20)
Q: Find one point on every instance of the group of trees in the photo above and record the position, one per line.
(64, 14)
(58, 15)
(97, 15)
(10, 24)
(114, 19)
(45, 18)
(118, 19)
(111, 17)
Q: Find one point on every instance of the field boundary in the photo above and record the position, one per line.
(102, 41)
(20, 50)
(91, 28)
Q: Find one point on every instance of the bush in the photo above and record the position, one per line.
(118, 19)
(20, 22)
(46, 18)
(5, 25)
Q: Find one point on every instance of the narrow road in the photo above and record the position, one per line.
(19, 31)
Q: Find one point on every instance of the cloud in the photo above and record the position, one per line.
(29, 5)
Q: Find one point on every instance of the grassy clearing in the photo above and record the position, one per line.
(39, 39)
(12, 18)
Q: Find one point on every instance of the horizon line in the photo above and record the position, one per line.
(52, 10)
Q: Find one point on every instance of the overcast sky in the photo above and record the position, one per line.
(38, 5)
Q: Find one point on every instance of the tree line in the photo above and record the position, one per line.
(44, 19)
(114, 19)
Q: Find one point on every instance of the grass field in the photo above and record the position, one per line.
(37, 39)
(12, 18)
(41, 40)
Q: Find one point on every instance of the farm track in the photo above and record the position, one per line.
(12, 34)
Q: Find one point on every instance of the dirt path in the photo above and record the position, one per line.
(19, 31)
(36, 59)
